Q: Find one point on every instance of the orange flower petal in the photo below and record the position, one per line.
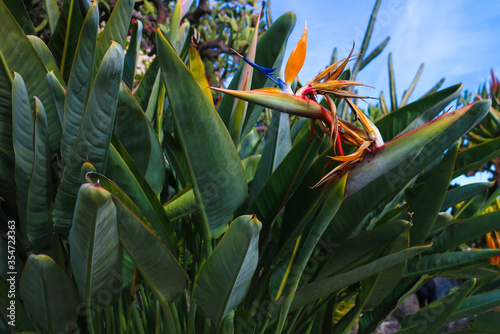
(297, 58)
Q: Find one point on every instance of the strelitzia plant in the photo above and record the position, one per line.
(304, 103)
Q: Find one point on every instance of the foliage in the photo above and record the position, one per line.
(140, 211)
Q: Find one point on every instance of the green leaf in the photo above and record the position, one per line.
(22, 135)
(137, 136)
(460, 232)
(476, 304)
(93, 239)
(31, 68)
(39, 219)
(376, 288)
(285, 179)
(132, 55)
(225, 276)
(313, 291)
(427, 203)
(44, 53)
(181, 205)
(80, 82)
(333, 198)
(145, 88)
(250, 165)
(52, 11)
(359, 249)
(48, 294)
(58, 95)
(460, 194)
(121, 170)
(430, 318)
(378, 50)
(64, 39)
(404, 149)
(5, 110)
(277, 144)
(18, 10)
(92, 142)
(396, 122)
(269, 48)
(116, 28)
(474, 157)
(436, 263)
(162, 272)
(218, 178)
(406, 95)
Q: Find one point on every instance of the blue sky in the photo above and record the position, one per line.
(455, 39)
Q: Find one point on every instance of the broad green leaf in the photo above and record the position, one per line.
(39, 219)
(358, 205)
(404, 149)
(485, 323)
(269, 49)
(181, 205)
(18, 10)
(64, 39)
(80, 82)
(476, 304)
(48, 294)
(126, 176)
(395, 122)
(116, 28)
(285, 179)
(93, 239)
(371, 319)
(436, 263)
(430, 318)
(94, 137)
(250, 165)
(360, 249)
(31, 68)
(58, 95)
(145, 88)
(277, 144)
(132, 55)
(313, 291)
(376, 288)
(224, 278)
(5, 109)
(474, 157)
(44, 53)
(22, 135)
(137, 136)
(52, 11)
(460, 194)
(218, 179)
(153, 98)
(461, 232)
(427, 203)
(22, 321)
(157, 265)
(311, 238)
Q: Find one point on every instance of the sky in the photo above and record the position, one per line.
(458, 40)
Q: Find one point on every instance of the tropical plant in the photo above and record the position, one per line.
(149, 210)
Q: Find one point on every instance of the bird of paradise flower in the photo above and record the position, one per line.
(304, 103)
